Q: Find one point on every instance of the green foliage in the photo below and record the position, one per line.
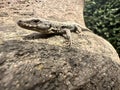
(103, 17)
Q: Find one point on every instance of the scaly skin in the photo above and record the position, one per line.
(47, 27)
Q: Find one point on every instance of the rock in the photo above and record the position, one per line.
(3, 14)
(40, 66)
(31, 61)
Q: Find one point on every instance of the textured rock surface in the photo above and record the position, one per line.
(39, 66)
(31, 61)
(61, 10)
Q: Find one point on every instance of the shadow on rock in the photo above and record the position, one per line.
(37, 66)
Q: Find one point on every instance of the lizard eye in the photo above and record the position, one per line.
(63, 27)
(36, 20)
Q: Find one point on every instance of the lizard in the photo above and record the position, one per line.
(45, 26)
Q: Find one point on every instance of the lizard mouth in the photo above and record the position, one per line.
(26, 24)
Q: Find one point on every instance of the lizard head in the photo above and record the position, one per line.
(34, 24)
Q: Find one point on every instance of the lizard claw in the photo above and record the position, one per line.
(68, 43)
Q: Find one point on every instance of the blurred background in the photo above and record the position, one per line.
(103, 17)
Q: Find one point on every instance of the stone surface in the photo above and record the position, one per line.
(61, 10)
(31, 61)
(40, 66)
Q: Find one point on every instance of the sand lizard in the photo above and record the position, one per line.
(48, 26)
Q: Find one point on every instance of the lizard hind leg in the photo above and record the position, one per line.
(69, 37)
(79, 31)
(82, 35)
